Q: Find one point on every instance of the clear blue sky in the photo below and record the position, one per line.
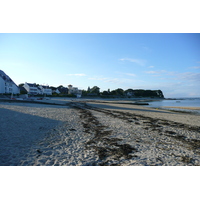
(170, 62)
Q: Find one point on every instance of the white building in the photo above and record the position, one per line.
(45, 89)
(7, 85)
(74, 90)
(39, 90)
(31, 88)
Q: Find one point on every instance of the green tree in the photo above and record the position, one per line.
(84, 93)
(95, 90)
(119, 92)
(105, 93)
(129, 92)
(21, 85)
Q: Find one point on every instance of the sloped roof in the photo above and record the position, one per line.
(63, 90)
(6, 77)
(45, 87)
(31, 85)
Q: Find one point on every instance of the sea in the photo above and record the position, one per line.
(179, 103)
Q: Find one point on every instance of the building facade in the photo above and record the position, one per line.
(74, 91)
(32, 89)
(45, 89)
(7, 85)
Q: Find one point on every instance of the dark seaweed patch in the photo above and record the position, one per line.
(110, 148)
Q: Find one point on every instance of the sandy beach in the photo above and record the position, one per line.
(95, 133)
(186, 108)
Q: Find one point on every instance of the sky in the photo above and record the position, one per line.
(166, 61)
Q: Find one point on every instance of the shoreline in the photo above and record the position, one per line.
(180, 117)
(181, 107)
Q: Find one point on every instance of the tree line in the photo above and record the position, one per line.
(95, 91)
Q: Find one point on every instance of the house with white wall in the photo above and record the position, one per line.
(7, 85)
(40, 91)
(74, 90)
(45, 89)
(31, 88)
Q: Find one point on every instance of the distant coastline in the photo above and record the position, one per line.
(178, 104)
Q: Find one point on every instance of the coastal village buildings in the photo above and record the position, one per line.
(33, 89)
(7, 85)
(56, 91)
(45, 89)
(74, 91)
(62, 90)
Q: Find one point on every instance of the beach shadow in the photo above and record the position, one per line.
(19, 132)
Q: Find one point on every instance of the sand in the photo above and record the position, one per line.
(185, 118)
(187, 108)
(34, 134)
(85, 133)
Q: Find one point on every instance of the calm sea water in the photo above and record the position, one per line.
(186, 102)
(178, 102)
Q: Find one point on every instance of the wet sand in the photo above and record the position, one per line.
(185, 118)
(187, 108)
